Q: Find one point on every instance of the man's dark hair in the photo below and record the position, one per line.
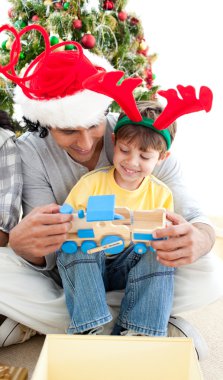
(35, 127)
(6, 121)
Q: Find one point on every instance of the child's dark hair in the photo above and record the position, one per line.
(6, 121)
(145, 137)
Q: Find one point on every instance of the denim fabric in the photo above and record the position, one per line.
(148, 285)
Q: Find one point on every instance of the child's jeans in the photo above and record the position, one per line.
(148, 285)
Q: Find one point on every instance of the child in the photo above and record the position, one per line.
(146, 305)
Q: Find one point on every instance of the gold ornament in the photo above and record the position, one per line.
(143, 45)
(152, 58)
(61, 48)
(48, 2)
(8, 44)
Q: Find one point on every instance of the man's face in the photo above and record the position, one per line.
(80, 143)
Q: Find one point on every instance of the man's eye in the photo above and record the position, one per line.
(69, 132)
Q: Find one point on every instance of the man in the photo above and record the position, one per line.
(62, 105)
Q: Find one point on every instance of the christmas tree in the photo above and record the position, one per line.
(106, 29)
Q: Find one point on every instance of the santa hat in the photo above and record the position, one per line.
(70, 88)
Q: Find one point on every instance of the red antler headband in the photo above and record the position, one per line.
(64, 88)
(175, 108)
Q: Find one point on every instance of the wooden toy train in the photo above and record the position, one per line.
(106, 227)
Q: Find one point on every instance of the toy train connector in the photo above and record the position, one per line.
(111, 229)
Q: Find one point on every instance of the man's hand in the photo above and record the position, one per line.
(41, 232)
(185, 242)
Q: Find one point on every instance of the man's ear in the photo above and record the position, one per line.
(113, 138)
(163, 156)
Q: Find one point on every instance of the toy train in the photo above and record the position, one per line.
(106, 227)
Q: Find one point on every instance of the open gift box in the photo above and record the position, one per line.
(84, 357)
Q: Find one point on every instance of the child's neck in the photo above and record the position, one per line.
(128, 185)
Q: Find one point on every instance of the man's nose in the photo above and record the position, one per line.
(85, 141)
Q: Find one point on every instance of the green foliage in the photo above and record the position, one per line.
(119, 41)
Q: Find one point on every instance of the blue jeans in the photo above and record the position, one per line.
(148, 285)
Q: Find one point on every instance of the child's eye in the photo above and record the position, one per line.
(123, 150)
(145, 158)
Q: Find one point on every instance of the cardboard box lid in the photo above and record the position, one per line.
(78, 357)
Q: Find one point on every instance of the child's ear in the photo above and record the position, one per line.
(113, 138)
(163, 157)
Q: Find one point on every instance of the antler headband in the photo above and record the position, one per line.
(175, 108)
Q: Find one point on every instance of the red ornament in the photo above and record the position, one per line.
(77, 24)
(122, 16)
(10, 13)
(134, 21)
(35, 18)
(58, 6)
(149, 78)
(88, 41)
(108, 5)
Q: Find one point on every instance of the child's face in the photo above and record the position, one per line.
(132, 164)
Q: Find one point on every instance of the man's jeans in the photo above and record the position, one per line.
(148, 285)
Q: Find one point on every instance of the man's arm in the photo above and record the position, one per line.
(41, 232)
(186, 242)
(190, 236)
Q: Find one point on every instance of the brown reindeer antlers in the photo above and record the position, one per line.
(177, 106)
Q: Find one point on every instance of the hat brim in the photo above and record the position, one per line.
(84, 109)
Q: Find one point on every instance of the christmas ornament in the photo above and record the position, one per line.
(22, 55)
(66, 6)
(54, 40)
(134, 21)
(20, 24)
(88, 41)
(149, 78)
(4, 45)
(143, 48)
(61, 48)
(122, 16)
(58, 6)
(9, 44)
(69, 47)
(35, 18)
(77, 24)
(11, 13)
(108, 5)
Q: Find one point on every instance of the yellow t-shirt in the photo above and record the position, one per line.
(151, 194)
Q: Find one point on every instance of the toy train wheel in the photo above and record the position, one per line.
(88, 244)
(69, 247)
(140, 248)
(110, 240)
